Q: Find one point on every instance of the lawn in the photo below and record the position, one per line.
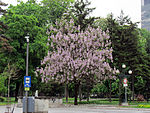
(135, 104)
(4, 102)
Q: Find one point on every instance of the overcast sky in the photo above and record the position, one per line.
(132, 8)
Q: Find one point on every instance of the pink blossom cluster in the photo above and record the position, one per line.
(76, 53)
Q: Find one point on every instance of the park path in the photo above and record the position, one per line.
(86, 109)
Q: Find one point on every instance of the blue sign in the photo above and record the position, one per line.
(27, 81)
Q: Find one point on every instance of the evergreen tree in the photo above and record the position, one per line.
(4, 45)
(80, 13)
(126, 44)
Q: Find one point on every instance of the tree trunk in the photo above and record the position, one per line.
(120, 100)
(88, 94)
(110, 90)
(66, 92)
(8, 85)
(80, 95)
(17, 90)
(133, 88)
(76, 94)
(21, 89)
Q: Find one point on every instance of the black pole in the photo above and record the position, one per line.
(27, 60)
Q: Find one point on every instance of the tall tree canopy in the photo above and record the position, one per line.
(80, 12)
(30, 18)
(4, 45)
(76, 54)
(56, 8)
(128, 47)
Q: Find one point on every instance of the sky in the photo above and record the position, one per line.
(132, 8)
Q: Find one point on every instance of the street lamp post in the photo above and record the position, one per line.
(27, 59)
(122, 75)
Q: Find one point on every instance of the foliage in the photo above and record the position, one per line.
(144, 106)
(30, 18)
(101, 22)
(3, 88)
(124, 43)
(129, 48)
(69, 45)
(80, 12)
(4, 45)
(51, 89)
(106, 87)
(76, 54)
(12, 101)
(140, 84)
(56, 8)
(146, 35)
(2, 99)
(144, 68)
(19, 26)
(22, 20)
(100, 89)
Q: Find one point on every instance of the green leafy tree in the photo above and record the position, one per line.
(146, 69)
(21, 22)
(56, 8)
(146, 37)
(31, 19)
(3, 88)
(5, 49)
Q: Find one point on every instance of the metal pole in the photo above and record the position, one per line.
(133, 88)
(26, 94)
(125, 94)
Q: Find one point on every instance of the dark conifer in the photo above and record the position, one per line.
(4, 45)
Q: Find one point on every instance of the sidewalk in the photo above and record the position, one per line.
(3, 109)
(85, 109)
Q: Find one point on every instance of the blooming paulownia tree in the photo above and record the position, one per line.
(76, 54)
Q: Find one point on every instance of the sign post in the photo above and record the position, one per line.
(27, 61)
(125, 82)
(27, 85)
(27, 81)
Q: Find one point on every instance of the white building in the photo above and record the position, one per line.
(145, 14)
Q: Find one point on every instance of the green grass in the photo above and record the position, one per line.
(12, 100)
(135, 104)
(139, 103)
(144, 106)
(100, 102)
(95, 101)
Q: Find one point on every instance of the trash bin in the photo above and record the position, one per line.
(30, 104)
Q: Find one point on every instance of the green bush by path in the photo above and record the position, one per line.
(143, 106)
(4, 101)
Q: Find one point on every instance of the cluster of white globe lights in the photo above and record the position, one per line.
(123, 66)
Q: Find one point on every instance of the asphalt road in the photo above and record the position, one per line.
(86, 109)
(98, 109)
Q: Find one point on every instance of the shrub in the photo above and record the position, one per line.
(2, 99)
(144, 106)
